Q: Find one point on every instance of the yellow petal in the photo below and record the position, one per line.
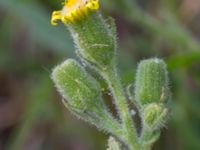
(56, 15)
(74, 10)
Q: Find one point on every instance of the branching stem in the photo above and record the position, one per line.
(115, 86)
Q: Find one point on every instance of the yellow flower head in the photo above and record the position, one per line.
(74, 10)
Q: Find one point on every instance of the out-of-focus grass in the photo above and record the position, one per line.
(38, 21)
(30, 47)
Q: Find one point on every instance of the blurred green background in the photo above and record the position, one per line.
(32, 116)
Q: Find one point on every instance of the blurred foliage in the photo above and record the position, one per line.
(31, 114)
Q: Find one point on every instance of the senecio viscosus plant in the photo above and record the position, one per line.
(95, 40)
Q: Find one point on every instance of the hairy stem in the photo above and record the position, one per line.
(115, 86)
(112, 126)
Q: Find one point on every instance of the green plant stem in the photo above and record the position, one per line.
(110, 125)
(130, 132)
(145, 134)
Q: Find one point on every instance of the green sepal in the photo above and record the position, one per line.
(151, 82)
(111, 23)
(95, 40)
(77, 87)
(154, 116)
(82, 96)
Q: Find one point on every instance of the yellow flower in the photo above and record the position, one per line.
(74, 10)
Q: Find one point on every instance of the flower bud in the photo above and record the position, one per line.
(95, 40)
(81, 92)
(154, 115)
(151, 82)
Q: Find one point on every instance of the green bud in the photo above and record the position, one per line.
(154, 115)
(95, 40)
(81, 92)
(151, 82)
(82, 95)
